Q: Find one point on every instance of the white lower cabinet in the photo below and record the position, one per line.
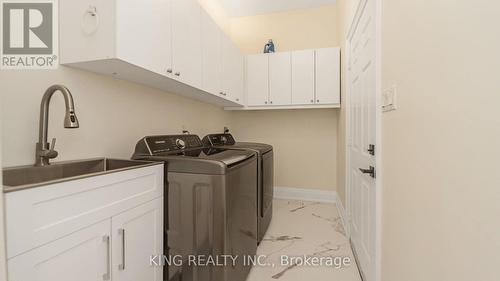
(82, 256)
(137, 234)
(93, 229)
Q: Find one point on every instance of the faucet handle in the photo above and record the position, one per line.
(53, 144)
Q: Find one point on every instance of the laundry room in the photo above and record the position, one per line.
(248, 140)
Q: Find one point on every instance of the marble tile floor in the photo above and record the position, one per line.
(304, 230)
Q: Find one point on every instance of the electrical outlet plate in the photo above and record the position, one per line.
(389, 99)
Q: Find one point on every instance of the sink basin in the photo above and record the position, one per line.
(23, 177)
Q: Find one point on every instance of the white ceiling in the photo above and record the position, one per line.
(241, 8)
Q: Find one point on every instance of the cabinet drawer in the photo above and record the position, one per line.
(40, 215)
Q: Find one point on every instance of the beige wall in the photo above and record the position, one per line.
(215, 9)
(294, 30)
(441, 148)
(290, 131)
(304, 143)
(113, 115)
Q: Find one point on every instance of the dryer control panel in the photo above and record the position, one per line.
(219, 140)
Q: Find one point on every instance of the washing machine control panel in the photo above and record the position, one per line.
(163, 144)
(219, 139)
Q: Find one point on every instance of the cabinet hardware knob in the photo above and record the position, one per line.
(169, 70)
(177, 74)
(312, 101)
(317, 100)
(265, 102)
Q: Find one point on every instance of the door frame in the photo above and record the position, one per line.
(378, 128)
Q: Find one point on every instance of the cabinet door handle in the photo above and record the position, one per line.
(317, 100)
(106, 276)
(169, 70)
(271, 102)
(312, 101)
(177, 74)
(265, 102)
(121, 232)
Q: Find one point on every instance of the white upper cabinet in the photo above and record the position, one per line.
(298, 79)
(257, 80)
(211, 38)
(303, 77)
(280, 79)
(233, 68)
(137, 42)
(158, 43)
(328, 76)
(186, 42)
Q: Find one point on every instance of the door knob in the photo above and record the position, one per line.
(370, 171)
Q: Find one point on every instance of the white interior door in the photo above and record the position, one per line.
(362, 135)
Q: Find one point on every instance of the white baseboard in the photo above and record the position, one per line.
(314, 195)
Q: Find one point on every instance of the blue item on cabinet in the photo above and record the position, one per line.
(269, 47)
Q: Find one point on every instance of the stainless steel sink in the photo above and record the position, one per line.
(17, 178)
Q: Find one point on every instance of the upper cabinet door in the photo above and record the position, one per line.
(328, 76)
(212, 55)
(233, 65)
(186, 42)
(303, 77)
(137, 234)
(143, 33)
(257, 79)
(280, 79)
(81, 256)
